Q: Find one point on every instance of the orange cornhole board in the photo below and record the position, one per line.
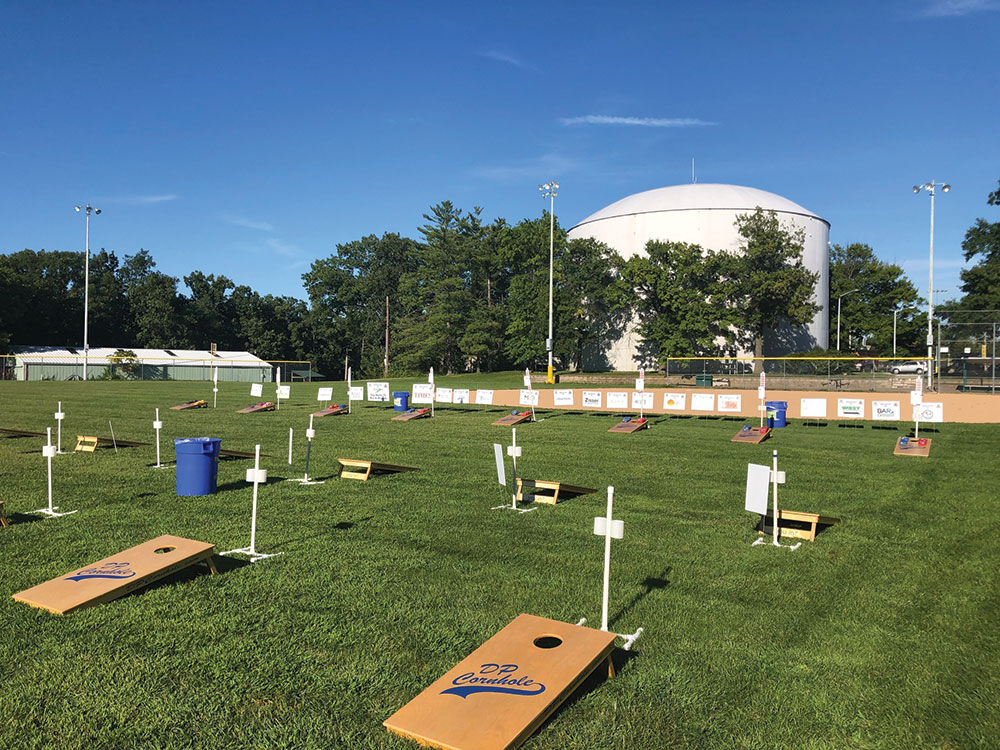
(633, 425)
(262, 406)
(351, 468)
(3, 518)
(557, 491)
(754, 435)
(503, 691)
(118, 575)
(331, 410)
(513, 419)
(86, 443)
(190, 405)
(912, 448)
(409, 414)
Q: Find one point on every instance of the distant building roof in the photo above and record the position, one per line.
(102, 356)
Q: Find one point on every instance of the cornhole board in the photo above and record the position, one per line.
(21, 433)
(86, 443)
(201, 404)
(513, 419)
(356, 469)
(754, 435)
(912, 449)
(89, 444)
(633, 425)
(262, 406)
(498, 695)
(241, 454)
(555, 489)
(409, 414)
(330, 411)
(3, 518)
(118, 575)
(807, 530)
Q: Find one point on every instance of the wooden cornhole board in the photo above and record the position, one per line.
(810, 523)
(3, 518)
(633, 425)
(409, 414)
(356, 469)
(86, 443)
(912, 449)
(555, 488)
(118, 575)
(330, 411)
(754, 435)
(262, 406)
(503, 691)
(513, 419)
(190, 405)
(20, 433)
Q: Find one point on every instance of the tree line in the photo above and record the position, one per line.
(473, 296)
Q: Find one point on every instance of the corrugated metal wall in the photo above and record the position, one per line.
(227, 373)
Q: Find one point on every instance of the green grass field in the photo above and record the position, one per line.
(884, 632)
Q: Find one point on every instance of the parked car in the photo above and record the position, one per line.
(905, 368)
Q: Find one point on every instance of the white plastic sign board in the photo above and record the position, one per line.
(430, 376)
(761, 393)
(562, 398)
(702, 401)
(325, 394)
(758, 479)
(885, 411)
(257, 389)
(423, 393)
(916, 398)
(527, 379)
(929, 412)
(851, 408)
(640, 384)
(484, 397)
(284, 391)
(443, 395)
(355, 393)
(501, 472)
(528, 397)
(591, 399)
(460, 396)
(378, 391)
(813, 407)
(730, 402)
(618, 400)
(642, 400)
(675, 401)
(601, 527)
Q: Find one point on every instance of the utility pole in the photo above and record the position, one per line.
(386, 361)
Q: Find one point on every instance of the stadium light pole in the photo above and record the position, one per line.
(931, 188)
(88, 209)
(895, 312)
(838, 314)
(549, 190)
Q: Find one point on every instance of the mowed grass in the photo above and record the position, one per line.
(884, 632)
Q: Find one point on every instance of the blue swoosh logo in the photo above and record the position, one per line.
(464, 691)
(100, 575)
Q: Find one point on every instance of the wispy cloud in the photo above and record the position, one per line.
(139, 200)
(645, 122)
(952, 8)
(506, 58)
(545, 167)
(242, 221)
(283, 248)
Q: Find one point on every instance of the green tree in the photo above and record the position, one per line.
(209, 310)
(981, 283)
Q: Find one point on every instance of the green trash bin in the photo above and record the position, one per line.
(703, 381)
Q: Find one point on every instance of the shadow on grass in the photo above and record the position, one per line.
(222, 564)
(650, 585)
(243, 484)
(340, 526)
(16, 518)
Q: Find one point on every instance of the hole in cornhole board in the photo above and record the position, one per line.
(548, 641)
(163, 550)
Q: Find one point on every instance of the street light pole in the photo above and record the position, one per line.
(931, 187)
(838, 314)
(549, 190)
(86, 282)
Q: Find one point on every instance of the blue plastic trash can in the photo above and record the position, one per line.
(400, 400)
(197, 465)
(776, 411)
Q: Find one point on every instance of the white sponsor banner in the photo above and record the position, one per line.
(257, 389)
(528, 397)
(592, 399)
(355, 393)
(443, 395)
(284, 391)
(423, 393)
(378, 391)
(618, 400)
(643, 400)
(460, 396)
(562, 398)
(916, 398)
(703, 402)
(929, 411)
(675, 401)
(732, 402)
(812, 407)
(851, 408)
(484, 397)
(325, 394)
(885, 411)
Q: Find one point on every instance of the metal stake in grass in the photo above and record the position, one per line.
(215, 388)
(60, 416)
(255, 475)
(158, 425)
(49, 451)
(310, 434)
(113, 441)
(513, 450)
(289, 446)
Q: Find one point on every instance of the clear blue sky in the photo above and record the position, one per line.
(248, 139)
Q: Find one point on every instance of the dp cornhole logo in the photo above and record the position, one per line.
(112, 570)
(494, 678)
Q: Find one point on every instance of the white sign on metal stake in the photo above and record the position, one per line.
(158, 425)
(350, 391)
(310, 434)
(257, 390)
(514, 451)
(49, 452)
(501, 472)
(59, 415)
(215, 387)
(256, 475)
(289, 446)
(775, 477)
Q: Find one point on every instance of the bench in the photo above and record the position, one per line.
(807, 530)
